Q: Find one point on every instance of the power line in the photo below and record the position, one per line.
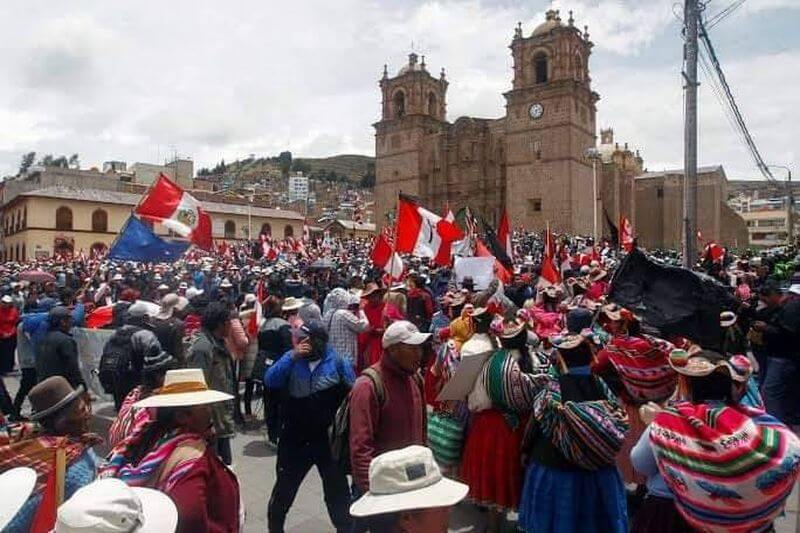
(740, 123)
(724, 13)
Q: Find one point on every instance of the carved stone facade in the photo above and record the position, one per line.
(531, 161)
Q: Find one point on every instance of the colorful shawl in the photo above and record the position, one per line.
(28, 448)
(589, 433)
(147, 472)
(730, 468)
(643, 367)
(128, 418)
(510, 390)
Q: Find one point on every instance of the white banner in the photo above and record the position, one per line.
(90, 348)
(480, 269)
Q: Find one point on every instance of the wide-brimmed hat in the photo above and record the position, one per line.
(569, 341)
(551, 291)
(706, 362)
(111, 506)
(51, 395)
(479, 311)
(407, 479)
(183, 388)
(16, 486)
(727, 319)
(226, 284)
(511, 328)
(163, 287)
(291, 304)
(372, 288)
(458, 299)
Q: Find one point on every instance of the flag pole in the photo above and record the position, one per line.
(394, 237)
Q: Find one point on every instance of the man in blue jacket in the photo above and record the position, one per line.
(314, 381)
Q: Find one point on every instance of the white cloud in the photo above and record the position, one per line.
(136, 80)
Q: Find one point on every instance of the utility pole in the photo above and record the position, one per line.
(691, 14)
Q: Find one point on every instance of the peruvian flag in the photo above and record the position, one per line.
(550, 274)
(714, 252)
(383, 257)
(504, 235)
(423, 233)
(625, 234)
(177, 210)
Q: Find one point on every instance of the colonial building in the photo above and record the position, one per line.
(617, 169)
(659, 209)
(532, 161)
(67, 220)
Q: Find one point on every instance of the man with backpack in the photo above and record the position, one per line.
(387, 404)
(120, 370)
(315, 379)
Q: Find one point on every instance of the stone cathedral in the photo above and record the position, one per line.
(531, 161)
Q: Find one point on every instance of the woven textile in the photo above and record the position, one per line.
(143, 473)
(445, 438)
(590, 433)
(128, 418)
(643, 366)
(730, 468)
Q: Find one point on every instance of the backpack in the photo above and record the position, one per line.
(340, 430)
(117, 357)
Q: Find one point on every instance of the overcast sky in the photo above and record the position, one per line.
(136, 81)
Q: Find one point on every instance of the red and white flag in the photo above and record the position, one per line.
(550, 274)
(383, 257)
(714, 252)
(500, 271)
(504, 235)
(177, 210)
(423, 233)
(625, 234)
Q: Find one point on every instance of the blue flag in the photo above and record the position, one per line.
(137, 242)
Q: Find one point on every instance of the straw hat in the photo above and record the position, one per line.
(16, 486)
(183, 388)
(727, 319)
(371, 288)
(407, 479)
(511, 328)
(291, 304)
(111, 506)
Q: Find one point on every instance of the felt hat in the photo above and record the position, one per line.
(183, 388)
(51, 395)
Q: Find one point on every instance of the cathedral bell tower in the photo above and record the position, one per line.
(412, 108)
(550, 122)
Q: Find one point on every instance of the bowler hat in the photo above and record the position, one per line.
(52, 395)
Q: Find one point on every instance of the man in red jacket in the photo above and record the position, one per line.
(398, 421)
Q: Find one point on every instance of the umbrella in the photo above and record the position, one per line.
(37, 276)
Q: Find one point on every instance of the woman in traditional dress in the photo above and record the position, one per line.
(171, 454)
(576, 430)
(63, 415)
(369, 341)
(636, 367)
(504, 393)
(713, 463)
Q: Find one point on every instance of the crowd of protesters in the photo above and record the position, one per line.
(545, 403)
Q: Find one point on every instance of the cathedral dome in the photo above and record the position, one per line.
(551, 22)
(413, 65)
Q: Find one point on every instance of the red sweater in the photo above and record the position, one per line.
(207, 497)
(376, 429)
(9, 316)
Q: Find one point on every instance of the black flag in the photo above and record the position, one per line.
(614, 230)
(674, 300)
(498, 251)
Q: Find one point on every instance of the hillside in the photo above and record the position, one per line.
(350, 165)
(346, 167)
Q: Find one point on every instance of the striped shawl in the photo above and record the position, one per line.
(730, 468)
(643, 367)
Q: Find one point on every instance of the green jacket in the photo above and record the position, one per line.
(209, 353)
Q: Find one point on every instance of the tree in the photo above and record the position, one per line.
(367, 180)
(300, 165)
(285, 162)
(27, 160)
(74, 162)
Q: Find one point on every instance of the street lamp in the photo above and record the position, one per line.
(594, 154)
(789, 203)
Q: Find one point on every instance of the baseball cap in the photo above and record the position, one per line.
(403, 332)
(311, 329)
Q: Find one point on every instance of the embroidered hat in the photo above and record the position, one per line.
(183, 388)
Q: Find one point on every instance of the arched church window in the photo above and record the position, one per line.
(432, 104)
(399, 104)
(540, 67)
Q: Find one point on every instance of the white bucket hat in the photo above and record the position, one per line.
(111, 506)
(407, 479)
(16, 486)
(183, 388)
